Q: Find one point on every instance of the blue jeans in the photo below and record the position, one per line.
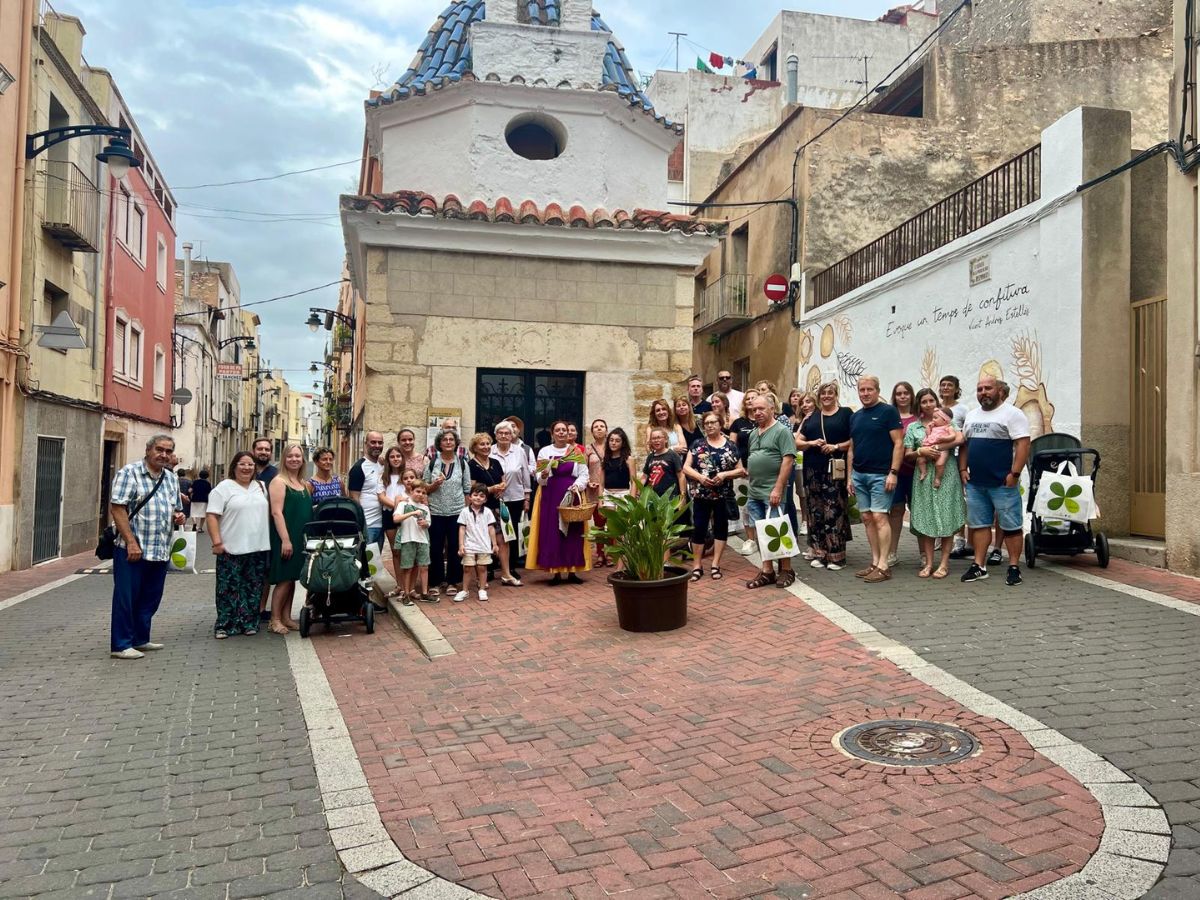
(375, 535)
(137, 592)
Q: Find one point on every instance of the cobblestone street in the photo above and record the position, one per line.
(553, 755)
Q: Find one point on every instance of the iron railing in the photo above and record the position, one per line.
(725, 301)
(1003, 190)
(72, 206)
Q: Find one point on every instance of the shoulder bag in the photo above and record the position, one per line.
(108, 537)
(837, 467)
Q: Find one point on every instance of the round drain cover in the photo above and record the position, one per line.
(907, 742)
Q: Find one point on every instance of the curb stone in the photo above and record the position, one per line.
(363, 845)
(1133, 848)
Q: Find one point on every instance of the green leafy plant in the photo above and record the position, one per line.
(640, 531)
(1064, 498)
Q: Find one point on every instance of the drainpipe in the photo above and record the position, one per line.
(793, 77)
(187, 270)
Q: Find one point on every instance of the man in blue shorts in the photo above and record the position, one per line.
(877, 448)
(990, 464)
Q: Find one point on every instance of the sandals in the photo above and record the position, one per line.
(925, 572)
(785, 579)
(278, 628)
(941, 572)
(697, 574)
(715, 574)
(761, 580)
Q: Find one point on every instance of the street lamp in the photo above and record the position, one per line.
(314, 368)
(117, 155)
(315, 314)
(248, 341)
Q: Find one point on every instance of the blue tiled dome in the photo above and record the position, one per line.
(444, 56)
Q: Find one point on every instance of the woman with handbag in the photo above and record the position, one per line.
(485, 469)
(554, 546)
(239, 523)
(449, 483)
(824, 438)
(712, 463)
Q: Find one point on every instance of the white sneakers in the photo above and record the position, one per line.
(149, 645)
(127, 653)
(483, 597)
(460, 596)
(748, 548)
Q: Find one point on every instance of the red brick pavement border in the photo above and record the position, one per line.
(1149, 578)
(20, 581)
(559, 756)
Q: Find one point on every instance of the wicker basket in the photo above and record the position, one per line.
(580, 511)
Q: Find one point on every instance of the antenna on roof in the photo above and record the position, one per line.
(678, 35)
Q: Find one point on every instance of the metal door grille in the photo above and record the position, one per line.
(538, 398)
(48, 496)
(1148, 419)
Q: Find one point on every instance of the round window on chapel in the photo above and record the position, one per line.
(536, 136)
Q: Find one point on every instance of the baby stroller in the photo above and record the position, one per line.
(1060, 538)
(335, 572)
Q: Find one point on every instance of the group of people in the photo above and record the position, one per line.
(454, 516)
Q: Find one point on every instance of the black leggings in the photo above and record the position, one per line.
(516, 508)
(445, 565)
(702, 512)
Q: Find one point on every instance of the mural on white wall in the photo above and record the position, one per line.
(966, 319)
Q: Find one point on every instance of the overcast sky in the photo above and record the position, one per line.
(233, 89)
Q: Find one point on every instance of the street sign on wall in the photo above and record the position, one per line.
(776, 288)
(229, 370)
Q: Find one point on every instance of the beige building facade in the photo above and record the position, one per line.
(1181, 473)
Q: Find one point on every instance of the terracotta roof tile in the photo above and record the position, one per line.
(417, 203)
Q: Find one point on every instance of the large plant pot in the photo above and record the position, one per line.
(652, 605)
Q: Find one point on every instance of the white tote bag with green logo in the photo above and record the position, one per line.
(1066, 495)
(776, 540)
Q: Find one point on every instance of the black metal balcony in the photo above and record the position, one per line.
(725, 305)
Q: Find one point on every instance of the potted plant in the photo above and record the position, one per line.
(640, 532)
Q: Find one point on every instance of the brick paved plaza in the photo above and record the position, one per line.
(553, 755)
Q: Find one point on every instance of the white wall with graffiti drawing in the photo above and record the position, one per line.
(1004, 301)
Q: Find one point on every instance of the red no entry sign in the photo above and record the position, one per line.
(776, 288)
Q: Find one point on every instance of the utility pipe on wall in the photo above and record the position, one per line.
(793, 78)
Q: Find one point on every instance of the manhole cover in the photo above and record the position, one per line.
(907, 742)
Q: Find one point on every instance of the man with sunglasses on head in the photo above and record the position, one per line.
(736, 397)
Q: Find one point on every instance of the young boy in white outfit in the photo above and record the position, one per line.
(476, 541)
(412, 540)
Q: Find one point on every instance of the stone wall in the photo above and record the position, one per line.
(434, 317)
(1009, 22)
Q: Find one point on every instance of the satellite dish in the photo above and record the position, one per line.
(61, 334)
(181, 397)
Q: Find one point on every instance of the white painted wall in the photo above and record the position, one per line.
(1023, 325)
(811, 36)
(453, 142)
(534, 51)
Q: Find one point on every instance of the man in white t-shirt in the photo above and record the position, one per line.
(365, 483)
(990, 464)
(725, 386)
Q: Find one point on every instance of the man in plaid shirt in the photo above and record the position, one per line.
(143, 547)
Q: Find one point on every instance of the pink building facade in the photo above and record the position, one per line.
(139, 291)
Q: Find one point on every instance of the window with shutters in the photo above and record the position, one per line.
(134, 369)
(120, 345)
(160, 372)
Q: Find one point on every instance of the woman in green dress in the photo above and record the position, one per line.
(291, 510)
(934, 512)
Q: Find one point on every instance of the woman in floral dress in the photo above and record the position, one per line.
(934, 512)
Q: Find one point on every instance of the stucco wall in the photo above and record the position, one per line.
(1183, 330)
(810, 35)
(81, 480)
(614, 157)
(1036, 84)
(1150, 235)
(434, 317)
(1023, 21)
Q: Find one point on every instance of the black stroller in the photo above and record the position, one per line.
(335, 571)
(1061, 538)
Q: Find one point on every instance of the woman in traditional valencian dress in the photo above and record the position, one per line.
(555, 548)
